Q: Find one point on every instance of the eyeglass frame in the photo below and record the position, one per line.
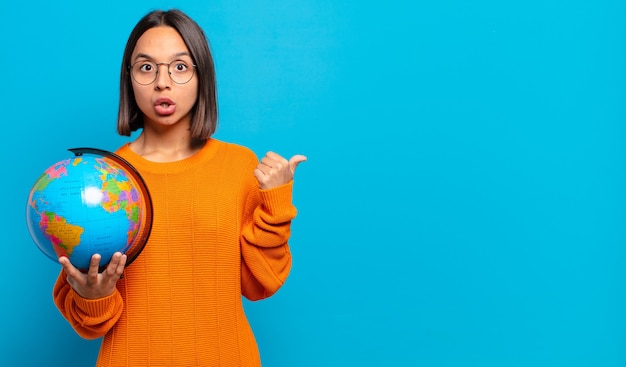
(156, 74)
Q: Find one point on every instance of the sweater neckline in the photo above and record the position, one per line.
(205, 153)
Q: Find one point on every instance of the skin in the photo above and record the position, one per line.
(166, 138)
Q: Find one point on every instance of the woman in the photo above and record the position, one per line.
(221, 218)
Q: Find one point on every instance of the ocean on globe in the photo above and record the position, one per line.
(93, 202)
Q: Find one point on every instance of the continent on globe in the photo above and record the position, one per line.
(64, 236)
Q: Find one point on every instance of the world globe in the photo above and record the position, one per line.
(92, 203)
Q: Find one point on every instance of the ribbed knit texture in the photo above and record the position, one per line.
(215, 237)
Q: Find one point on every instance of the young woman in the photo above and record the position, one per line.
(221, 218)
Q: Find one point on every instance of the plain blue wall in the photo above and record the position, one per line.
(464, 202)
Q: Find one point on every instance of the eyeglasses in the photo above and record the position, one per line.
(145, 72)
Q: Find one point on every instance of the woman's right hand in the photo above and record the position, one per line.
(93, 285)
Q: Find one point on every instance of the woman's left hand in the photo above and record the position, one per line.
(274, 170)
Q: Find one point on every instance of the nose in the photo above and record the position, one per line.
(163, 78)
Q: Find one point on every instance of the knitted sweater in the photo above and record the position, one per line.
(215, 237)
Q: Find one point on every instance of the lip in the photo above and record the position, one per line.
(163, 100)
(164, 106)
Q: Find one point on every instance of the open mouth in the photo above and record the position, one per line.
(164, 106)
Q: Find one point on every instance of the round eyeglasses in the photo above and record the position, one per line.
(145, 72)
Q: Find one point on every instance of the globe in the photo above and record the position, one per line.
(92, 202)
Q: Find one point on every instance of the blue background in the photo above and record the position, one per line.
(464, 200)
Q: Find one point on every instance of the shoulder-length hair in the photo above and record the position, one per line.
(204, 112)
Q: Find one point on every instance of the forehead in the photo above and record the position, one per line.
(161, 42)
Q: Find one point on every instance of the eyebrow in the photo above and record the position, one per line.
(146, 56)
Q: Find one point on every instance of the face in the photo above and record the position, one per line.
(164, 103)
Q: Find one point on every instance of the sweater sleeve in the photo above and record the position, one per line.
(90, 318)
(266, 259)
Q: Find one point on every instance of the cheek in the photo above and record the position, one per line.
(191, 95)
(141, 97)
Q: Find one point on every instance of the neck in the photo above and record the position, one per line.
(158, 147)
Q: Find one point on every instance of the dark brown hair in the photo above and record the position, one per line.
(204, 112)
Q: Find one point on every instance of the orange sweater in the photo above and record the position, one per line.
(215, 236)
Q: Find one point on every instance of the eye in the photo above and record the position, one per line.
(180, 66)
(146, 67)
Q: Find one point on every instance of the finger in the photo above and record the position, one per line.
(274, 156)
(258, 173)
(94, 265)
(122, 263)
(262, 178)
(295, 161)
(274, 159)
(266, 161)
(116, 266)
(277, 162)
(69, 269)
(65, 263)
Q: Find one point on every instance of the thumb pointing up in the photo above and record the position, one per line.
(274, 170)
(295, 161)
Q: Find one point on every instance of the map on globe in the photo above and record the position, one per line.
(84, 200)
